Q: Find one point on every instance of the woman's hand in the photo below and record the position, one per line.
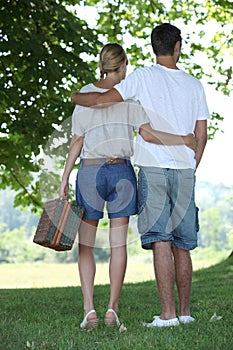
(190, 141)
(63, 191)
(72, 98)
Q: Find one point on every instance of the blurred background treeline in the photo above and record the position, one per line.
(18, 227)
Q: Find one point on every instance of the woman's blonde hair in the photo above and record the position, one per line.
(111, 58)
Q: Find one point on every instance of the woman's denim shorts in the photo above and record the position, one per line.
(167, 210)
(113, 184)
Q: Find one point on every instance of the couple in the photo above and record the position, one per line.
(169, 100)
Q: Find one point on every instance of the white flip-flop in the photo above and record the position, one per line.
(87, 324)
(112, 321)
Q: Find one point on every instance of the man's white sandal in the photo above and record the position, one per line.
(112, 321)
(87, 324)
(186, 319)
(158, 322)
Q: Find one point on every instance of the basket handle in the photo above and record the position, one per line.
(61, 223)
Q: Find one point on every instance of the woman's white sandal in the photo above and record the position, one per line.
(112, 321)
(88, 324)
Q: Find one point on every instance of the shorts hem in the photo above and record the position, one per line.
(120, 215)
(93, 218)
(184, 246)
(147, 245)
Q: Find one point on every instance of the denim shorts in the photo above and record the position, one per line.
(166, 207)
(113, 184)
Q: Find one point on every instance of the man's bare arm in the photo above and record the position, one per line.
(91, 99)
(201, 135)
(163, 138)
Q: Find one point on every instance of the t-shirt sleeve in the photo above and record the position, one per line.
(129, 87)
(77, 127)
(203, 111)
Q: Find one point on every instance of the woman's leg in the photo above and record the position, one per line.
(86, 262)
(118, 260)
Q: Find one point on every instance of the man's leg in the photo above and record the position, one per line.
(164, 273)
(183, 275)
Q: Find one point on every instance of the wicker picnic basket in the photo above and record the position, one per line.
(58, 225)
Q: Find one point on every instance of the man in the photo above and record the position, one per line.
(168, 221)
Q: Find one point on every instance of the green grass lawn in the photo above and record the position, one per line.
(45, 275)
(49, 318)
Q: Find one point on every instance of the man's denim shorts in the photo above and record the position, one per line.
(166, 207)
(113, 184)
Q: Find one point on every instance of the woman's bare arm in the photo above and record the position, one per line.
(74, 151)
(164, 138)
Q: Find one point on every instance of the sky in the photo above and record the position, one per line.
(217, 162)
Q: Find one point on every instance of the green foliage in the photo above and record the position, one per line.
(41, 46)
(50, 318)
(214, 125)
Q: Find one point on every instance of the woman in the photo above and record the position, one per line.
(106, 175)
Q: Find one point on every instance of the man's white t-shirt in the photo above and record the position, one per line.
(174, 101)
(108, 132)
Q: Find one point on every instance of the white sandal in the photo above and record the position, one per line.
(112, 321)
(87, 324)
